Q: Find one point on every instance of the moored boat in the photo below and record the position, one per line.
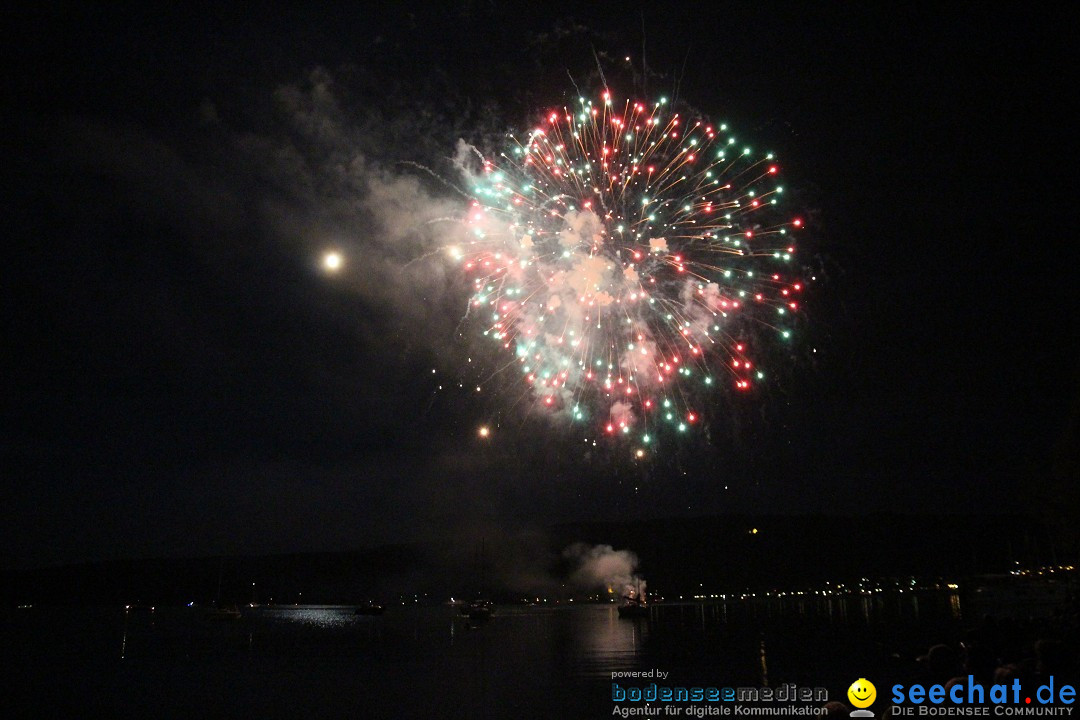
(633, 609)
(369, 608)
(635, 605)
(228, 612)
(478, 609)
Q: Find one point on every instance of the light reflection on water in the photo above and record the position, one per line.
(316, 616)
(591, 640)
(866, 608)
(416, 658)
(609, 643)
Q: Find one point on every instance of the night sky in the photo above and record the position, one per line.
(182, 378)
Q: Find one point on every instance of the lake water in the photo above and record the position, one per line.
(429, 662)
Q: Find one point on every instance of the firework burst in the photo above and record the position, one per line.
(632, 259)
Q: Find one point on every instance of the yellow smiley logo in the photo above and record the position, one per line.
(862, 693)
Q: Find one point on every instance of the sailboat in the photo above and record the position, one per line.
(635, 605)
(218, 611)
(480, 609)
(369, 608)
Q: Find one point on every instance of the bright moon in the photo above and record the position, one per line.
(332, 261)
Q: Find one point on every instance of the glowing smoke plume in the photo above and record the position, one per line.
(602, 566)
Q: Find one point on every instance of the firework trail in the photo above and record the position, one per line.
(632, 259)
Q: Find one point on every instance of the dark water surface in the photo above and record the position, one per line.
(428, 662)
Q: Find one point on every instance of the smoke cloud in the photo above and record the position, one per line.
(604, 567)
